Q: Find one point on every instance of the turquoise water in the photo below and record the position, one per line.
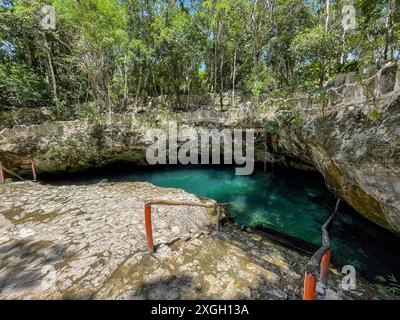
(290, 201)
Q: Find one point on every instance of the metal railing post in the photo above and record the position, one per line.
(1, 173)
(149, 230)
(33, 170)
(325, 263)
(147, 215)
(310, 287)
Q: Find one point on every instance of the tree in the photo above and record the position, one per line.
(118, 53)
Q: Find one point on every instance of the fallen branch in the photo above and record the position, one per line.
(12, 173)
(314, 263)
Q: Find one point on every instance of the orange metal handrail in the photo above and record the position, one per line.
(148, 220)
(1, 173)
(33, 169)
(149, 229)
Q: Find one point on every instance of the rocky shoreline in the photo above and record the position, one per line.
(88, 242)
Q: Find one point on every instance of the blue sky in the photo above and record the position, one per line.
(8, 47)
(6, 3)
(5, 45)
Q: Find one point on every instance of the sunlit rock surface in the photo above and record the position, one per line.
(75, 237)
(88, 242)
(358, 156)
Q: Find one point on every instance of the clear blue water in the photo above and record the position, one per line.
(290, 201)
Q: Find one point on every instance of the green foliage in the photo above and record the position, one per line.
(8, 180)
(297, 121)
(375, 115)
(96, 133)
(351, 66)
(119, 53)
(272, 127)
(261, 80)
(313, 43)
(20, 85)
(388, 286)
(90, 110)
(65, 152)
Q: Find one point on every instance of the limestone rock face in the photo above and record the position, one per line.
(356, 152)
(354, 143)
(72, 145)
(359, 158)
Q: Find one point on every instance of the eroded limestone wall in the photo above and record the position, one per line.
(373, 86)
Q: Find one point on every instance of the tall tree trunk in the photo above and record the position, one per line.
(389, 30)
(146, 78)
(126, 88)
(188, 94)
(325, 67)
(234, 76)
(138, 89)
(221, 92)
(255, 36)
(155, 85)
(216, 39)
(51, 68)
(108, 98)
(342, 55)
(328, 3)
(28, 51)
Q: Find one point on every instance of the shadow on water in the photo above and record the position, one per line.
(290, 201)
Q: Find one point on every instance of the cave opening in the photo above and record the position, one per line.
(287, 200)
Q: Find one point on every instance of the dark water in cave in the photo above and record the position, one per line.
(286, 200)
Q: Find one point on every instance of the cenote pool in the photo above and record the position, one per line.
(289, 201)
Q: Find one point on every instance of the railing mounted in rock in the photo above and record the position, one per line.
(321, 259)
(33, 166)
(148, 218)
(4, 169)
(12, 173)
